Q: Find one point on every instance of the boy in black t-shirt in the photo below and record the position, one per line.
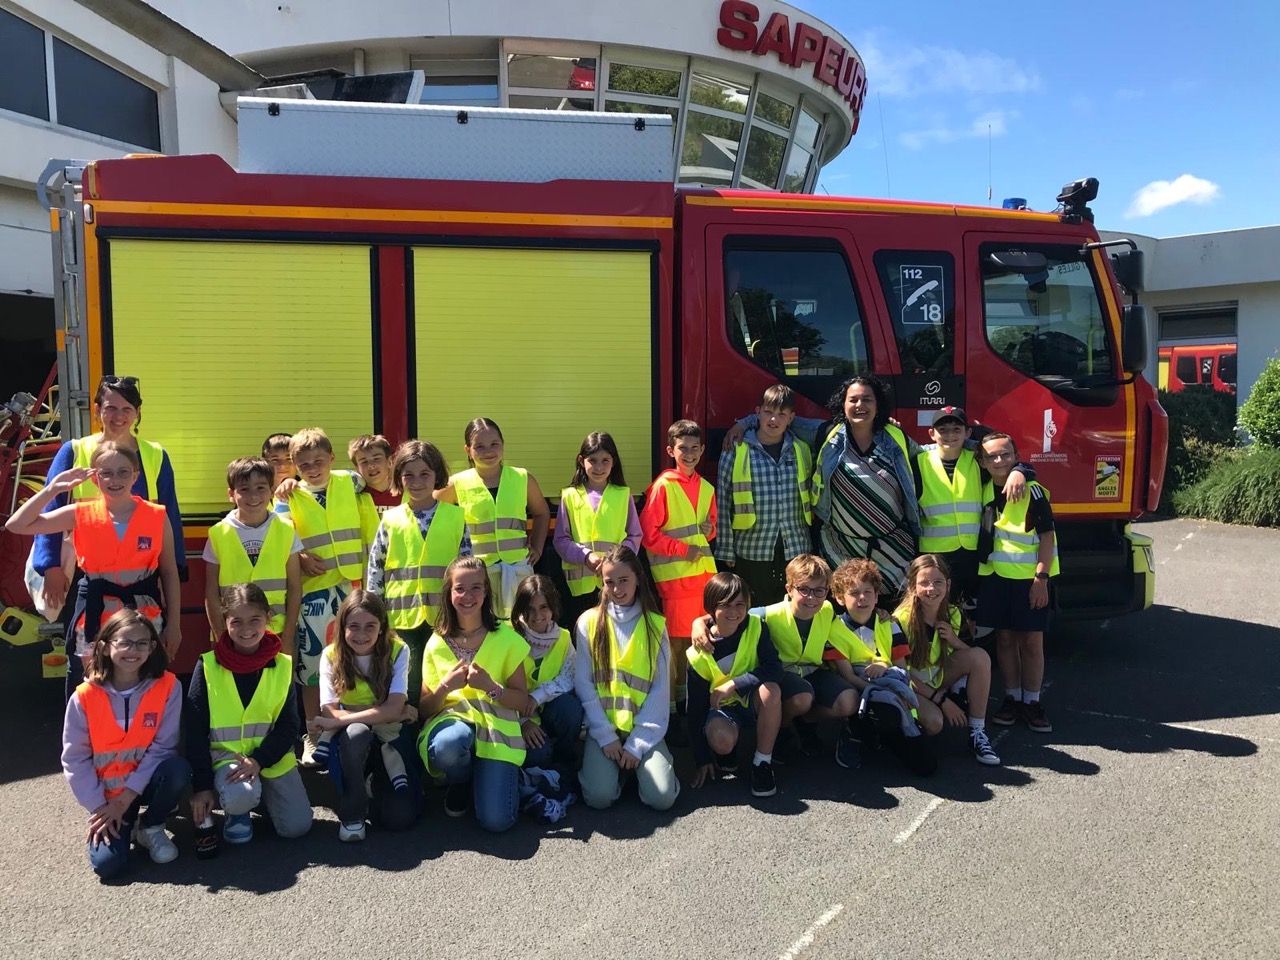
(1019, 555)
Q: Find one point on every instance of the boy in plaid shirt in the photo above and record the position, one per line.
(764, 492)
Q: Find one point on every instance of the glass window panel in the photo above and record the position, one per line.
(794, 313)
(651, 81)
(1048, 324)
(710, 149)
(763, 163)
(526, 102)
(631, 106)
(22, 76)
(774, 110)
(919, 288)
(797, 171)
(720, 94)
(442, 93)
(551, 73)
(95, 97)
(807, 129)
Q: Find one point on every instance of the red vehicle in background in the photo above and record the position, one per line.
(583, 76)
(249, 303)
(1200, 364)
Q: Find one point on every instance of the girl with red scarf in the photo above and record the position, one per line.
(242, 721)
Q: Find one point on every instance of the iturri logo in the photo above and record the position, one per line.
(932, 388)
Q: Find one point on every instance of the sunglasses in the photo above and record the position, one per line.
(120, 381)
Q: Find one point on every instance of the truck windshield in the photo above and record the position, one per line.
(1049, 324)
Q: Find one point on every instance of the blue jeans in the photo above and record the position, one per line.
(561, 722)
(358, 757)
(450, 747)
(111, 858)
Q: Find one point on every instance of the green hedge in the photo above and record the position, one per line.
(1238, 489)
(1260, 414)
(1202, 425)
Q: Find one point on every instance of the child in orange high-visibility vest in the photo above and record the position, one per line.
(120, 744)
(679, 521)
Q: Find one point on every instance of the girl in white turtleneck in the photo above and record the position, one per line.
(622, 680)
(552, 715)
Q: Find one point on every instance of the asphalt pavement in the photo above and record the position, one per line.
(1145, 825)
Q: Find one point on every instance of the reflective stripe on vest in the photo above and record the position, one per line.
(630, 676)
(361, 694)
(744, 503)
(117, 752)
(745, 659)
(855, 649)
(549, 667)
(598, 530)
(269, 571)
(330, 534)
(499, 528)
(685, 525)
(413, 575)
(950, 507)
(786, 635)
(151, 455)
(896, 435)
(497, 728)
(236, 730)
(1015, 550)
(103, 555)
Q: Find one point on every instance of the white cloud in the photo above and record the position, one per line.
(912, 70)
(993, 122)
(1161, 194)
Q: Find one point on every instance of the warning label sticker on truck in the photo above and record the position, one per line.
(1106, 478)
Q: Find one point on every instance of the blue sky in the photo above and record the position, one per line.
(1173, 106)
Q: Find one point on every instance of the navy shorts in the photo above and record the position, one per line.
(1005, 604)
(735, 713)
(793, 685)
(827, 687)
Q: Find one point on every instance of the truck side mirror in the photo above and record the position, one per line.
(1133, 338)
(1130, 268)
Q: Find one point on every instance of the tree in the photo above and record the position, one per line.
(1260, 414)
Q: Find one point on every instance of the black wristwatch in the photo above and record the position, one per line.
(1042, 575)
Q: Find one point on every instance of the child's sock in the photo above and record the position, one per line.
(394, 764)
(1030, 696)
(759, 758)
(1016, 693)
(975, 724)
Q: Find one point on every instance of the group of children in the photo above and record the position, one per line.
(391, 620)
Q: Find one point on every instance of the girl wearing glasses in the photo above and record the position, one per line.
(120, 742)
(117, 406)
(124, 544)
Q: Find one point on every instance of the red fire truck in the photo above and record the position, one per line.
(254, 302)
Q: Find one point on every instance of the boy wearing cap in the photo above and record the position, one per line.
(949, 480)
(764, 486)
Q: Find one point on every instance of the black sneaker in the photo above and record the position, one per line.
(981, 747)
(727, 763)
(762, 782)
(810, 742)
(1007, 715)
(457, 799)
(848, 751)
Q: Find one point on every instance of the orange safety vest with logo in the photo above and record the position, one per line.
(117, 752)
(687, 526)
(792, 651)
(151, 455)
(599, 531)
(269, 571)
(119, 560)
(498, 528)
(332, 533)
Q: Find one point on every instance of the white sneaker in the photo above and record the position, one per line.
(351, 832)
(156, 842)
(308, 751)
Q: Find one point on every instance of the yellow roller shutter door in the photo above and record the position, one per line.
(235, 341)
(551, 344)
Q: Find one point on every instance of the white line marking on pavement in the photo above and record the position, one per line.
(918, 822)
(1159, 723)
(1000, 736)
(806, 938)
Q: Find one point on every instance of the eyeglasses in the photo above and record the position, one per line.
(120, 381)
(124, 644)
(812, 592)
(121, 474)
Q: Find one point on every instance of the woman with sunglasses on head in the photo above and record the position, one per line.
(117, 407)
